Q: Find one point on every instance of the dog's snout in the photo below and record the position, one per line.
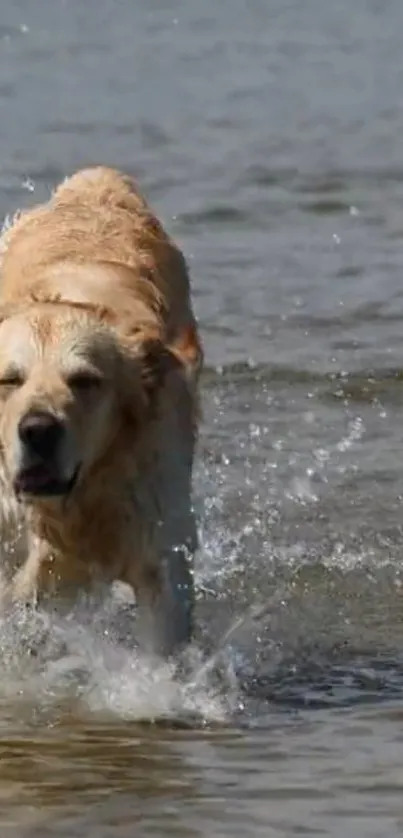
(41, 433)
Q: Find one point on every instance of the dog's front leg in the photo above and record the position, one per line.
(26, 584)
(177, 598)
(165, 599)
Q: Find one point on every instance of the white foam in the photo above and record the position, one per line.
(87, 658)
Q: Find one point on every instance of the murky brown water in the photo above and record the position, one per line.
(268, 135)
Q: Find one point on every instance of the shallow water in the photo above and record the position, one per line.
(268, 136)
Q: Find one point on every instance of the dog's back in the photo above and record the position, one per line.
(98, 216)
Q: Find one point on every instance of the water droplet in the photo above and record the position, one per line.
(28, 184)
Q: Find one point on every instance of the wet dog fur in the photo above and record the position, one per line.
(99, 367)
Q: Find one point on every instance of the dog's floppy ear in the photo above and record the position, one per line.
(146, 363)
(156, 362)
(149, 361)
(188, 349)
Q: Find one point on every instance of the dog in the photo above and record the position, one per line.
(100, 360)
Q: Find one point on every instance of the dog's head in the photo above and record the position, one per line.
(68, 380)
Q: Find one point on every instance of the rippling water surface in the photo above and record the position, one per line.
(268, 136)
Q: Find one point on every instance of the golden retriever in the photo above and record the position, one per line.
(99, 367)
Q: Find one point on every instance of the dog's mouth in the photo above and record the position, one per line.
(41, 481)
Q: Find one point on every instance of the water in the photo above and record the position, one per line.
(268, 136)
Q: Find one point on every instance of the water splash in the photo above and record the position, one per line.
(89, 659)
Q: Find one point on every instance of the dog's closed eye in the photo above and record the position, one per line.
(11, 378)
(84, 381)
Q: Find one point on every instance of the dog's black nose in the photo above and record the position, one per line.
(41, 433)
